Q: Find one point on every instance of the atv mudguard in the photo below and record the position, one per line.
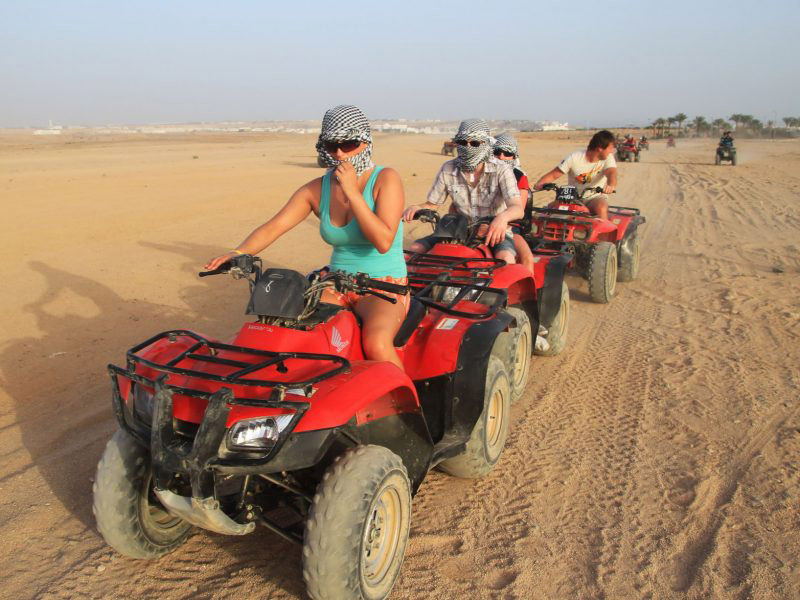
(549, 301)
(519, 284)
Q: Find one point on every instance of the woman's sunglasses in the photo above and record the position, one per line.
(473, 143)
(345, 145)
(504, 153)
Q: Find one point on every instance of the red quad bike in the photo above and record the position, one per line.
(629, 151)
(606, 251)
(288, 426)
(539, 302)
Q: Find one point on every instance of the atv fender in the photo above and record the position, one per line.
(519, 283)
(371, 390)
(549, 300)
(469, 379)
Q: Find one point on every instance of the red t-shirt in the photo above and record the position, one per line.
(522, 183)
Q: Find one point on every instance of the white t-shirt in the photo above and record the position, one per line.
(584, 174)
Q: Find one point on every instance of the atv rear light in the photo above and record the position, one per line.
(579, 234)
(257, 434)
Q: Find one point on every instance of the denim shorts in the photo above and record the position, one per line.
(507, 244)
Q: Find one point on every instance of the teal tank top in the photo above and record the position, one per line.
(352, 252)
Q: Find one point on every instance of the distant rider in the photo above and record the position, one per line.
(506, 148)
(593, 167)
(480, 185)
(726, 140)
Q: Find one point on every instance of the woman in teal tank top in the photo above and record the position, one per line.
(359, 206)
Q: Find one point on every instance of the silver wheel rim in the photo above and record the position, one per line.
(521, 357)
(154, 518)
(495, 415)
(382, 536)
(611, 273)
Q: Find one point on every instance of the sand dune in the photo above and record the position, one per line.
(657, 457)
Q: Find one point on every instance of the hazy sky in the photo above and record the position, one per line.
(588, 62)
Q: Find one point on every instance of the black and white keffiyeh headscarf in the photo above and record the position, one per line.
(345, 122)
(468, 157)
(508, 144)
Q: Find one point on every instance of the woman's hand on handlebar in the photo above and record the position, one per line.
(215, 263)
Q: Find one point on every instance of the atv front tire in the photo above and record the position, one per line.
(733, 160)
(514, 348)
(486, 443)
(629, 259)
(602, 272)
(557, 332)
(717, 159)
(129, 516)
(357, 526)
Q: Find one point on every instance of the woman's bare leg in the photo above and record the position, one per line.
(524, 254)
(381, 321)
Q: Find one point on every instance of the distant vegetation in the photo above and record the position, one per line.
(743, 125)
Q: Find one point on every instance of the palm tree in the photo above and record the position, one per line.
(737, 118)
(721, 125)
(679, 119)
(700, 125)
(658, 127)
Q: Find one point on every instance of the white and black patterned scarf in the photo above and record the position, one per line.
(341, 123)
(508, 144)
(468, 157)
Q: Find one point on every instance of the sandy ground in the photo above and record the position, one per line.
(656, 458)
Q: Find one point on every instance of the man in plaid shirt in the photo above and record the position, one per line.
(480, 185)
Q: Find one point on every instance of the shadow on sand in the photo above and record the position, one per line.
(61, 391)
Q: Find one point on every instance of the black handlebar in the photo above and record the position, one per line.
(393, 288)
(427, 215)
(223, 268)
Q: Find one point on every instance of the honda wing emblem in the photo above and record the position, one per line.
(337, 341)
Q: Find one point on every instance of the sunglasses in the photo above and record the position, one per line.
(344, 145)
(504, 153)
(473, 143)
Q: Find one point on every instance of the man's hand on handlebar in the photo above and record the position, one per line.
(408, 214)
(497, 230)
(609, 189)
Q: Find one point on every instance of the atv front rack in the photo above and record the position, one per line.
(265, 358)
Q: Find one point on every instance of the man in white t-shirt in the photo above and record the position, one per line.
(594, 167)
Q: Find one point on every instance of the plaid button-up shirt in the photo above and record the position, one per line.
(490, 197)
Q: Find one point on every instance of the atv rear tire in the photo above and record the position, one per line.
(557, 332)
(636, 157)
(514, 348)
(357, 526)
(717, 159)
(488, 438)
(602, 272)
(128, 514)
(733, 160)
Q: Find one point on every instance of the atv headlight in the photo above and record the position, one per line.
(143, 403)
(579, 234)
(257, 434)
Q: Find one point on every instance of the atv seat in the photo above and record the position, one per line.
(416, 312)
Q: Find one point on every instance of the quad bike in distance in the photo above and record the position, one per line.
(670, 142)
(628, 150)
(606, 251)
(644, 144)
(538, 300)
(290, 427)
(725, 152)
(449, 148)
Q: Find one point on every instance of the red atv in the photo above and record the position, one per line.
(539, 302)
(628, 150)
(290, 427)
(606, 251)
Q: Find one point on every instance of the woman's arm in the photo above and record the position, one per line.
(380, 226)
(295, 210)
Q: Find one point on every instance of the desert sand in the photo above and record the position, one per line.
(657, 457)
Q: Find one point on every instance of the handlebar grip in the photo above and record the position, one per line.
(392, 288)
(223, 268)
